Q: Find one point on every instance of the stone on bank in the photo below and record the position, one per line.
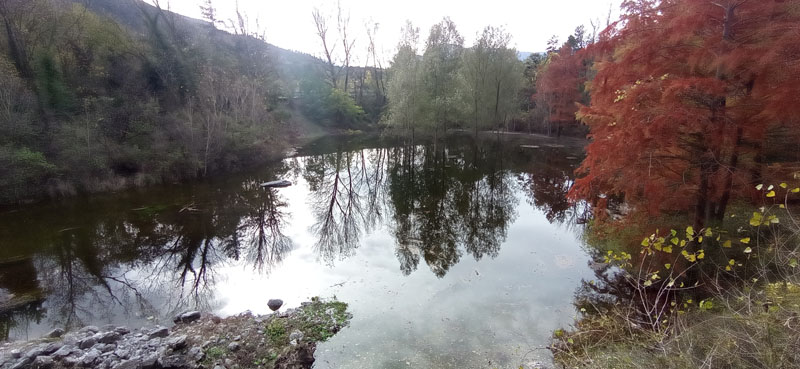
(279, 340)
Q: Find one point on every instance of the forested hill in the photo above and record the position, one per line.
(103, 94)
(128, 13)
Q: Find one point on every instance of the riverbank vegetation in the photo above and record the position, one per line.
(692, 174)
(110, 94)
(101, 95)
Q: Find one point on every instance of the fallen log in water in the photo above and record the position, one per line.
(279, 183)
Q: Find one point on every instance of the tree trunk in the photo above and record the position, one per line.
(719, 215)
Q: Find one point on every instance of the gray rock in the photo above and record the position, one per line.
(228, 362)
(43, 362)
(150, 362)
(71, 360)
(234, 346)
(196, 354)
(158, 332)
(87, 343)
(219, 367)
(36, 351)
(296, 335)
(16, 354)
(122, 330)
(51, 348)
(293, 342)
(274, 304)
(129, 364)
(172, 362)
(237, 338)
(123, 353)
(107, 347)
(190, 316)
(108, 363)
(55, 333)
(108, 337)
(22, 363)
(177, 342)
(63, 352)
(90, 357)
(108, 327)
(89, 329)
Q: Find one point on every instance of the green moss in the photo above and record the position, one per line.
(215, 353)
(276, 331)
(318, 321)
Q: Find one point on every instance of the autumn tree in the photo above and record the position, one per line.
(684, 96)
(559, 87)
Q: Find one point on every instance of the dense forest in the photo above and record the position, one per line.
(104, 94)
(100, 95)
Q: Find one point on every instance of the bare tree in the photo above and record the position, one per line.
(377, 68)
(321, 23)
(343, 23)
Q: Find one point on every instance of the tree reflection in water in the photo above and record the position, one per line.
(94, 258)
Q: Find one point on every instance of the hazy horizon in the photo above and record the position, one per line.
(531, 24)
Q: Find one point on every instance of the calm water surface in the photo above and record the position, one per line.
(459, 255)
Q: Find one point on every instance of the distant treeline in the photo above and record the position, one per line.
(485, 86)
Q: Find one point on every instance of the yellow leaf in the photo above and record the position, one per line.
(667, 249)
(674, 241)
(731, 262)
(748, 250)
(727, 244)
(667, 266)
(771, 194)
(745, 240)
(709, 232)
(796, 190)
(648, 283)
(755, 221)
(690, 231)
(700, 239)
(683, 243)
(728, 268)
(784, 185)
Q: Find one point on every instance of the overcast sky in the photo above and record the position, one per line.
(289, 24)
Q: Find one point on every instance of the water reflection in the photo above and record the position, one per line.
(148, 254)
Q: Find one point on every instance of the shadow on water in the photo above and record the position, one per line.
(144, 254)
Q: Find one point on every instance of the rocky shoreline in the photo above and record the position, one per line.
(197, 341)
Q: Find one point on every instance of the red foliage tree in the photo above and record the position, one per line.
(559, 87)
(684, 94)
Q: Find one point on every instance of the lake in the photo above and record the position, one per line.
(463, 254)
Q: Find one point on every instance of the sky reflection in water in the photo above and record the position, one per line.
(457, 256)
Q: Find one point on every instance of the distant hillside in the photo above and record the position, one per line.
(129, 14)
